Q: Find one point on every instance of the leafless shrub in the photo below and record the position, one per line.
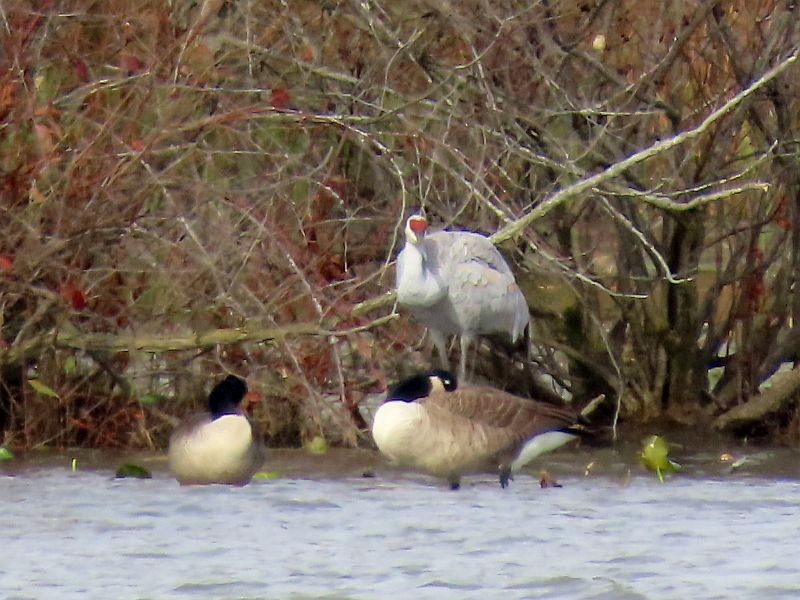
(194, 189)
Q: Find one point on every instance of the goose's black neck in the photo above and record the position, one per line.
(421, 385)
(226, 396)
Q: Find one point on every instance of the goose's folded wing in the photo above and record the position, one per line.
(465, 439)
(490, 407)
(492, 425)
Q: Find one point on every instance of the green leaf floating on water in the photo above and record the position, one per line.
(655, 456)
(318, 445)
(130, 470)
(42, 389)
(6, 454)
(266, 476)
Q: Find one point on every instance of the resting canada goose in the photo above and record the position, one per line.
(425, 423)
(457, 283)
(219, 445)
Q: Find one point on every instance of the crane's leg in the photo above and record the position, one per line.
(527, 332)
(462, 369)
(440, 341)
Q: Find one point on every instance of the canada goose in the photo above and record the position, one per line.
(425, 423)
(457, 283)
(219, 445)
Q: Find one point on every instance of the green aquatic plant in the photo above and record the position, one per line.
(266, 476)
(6, 454)
(655, 456)
(318, 445)
(132, 471)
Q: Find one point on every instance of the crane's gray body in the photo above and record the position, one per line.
(457, 283)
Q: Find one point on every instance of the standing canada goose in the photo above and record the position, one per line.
(425, 423)
(219, 445)
(457, 283)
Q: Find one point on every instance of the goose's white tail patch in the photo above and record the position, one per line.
(541, 444)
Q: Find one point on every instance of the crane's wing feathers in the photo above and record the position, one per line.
(481, 285)
(459, 247)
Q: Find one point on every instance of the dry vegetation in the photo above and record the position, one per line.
(189, 188)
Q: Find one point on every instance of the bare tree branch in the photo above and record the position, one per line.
(616, 169)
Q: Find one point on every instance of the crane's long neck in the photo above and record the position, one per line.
(417, 283)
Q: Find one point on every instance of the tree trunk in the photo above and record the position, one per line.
(685, 380)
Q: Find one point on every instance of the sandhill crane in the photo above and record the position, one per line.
(457, 283)
(428, 424)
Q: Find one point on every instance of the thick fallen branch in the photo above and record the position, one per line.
(782, 393)
(193, 341)
(151, 343)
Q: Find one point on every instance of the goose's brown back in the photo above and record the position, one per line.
(496, 408)
(482, 427)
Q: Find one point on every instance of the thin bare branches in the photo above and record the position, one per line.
(589, 183)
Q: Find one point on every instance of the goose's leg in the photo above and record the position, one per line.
(505, 476)
(440, 341)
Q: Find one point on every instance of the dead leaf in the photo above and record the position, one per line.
(363, 347)
(308, 54)
(35, 195)
(130, 65)
(279, 98)
(73, 294)
(7, 92)
(45, 138)
(81, 70)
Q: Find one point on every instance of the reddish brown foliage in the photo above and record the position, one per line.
(164, 176)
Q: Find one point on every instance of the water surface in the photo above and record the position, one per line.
(323, 530)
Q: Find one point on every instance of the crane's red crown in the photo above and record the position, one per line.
(417, 224)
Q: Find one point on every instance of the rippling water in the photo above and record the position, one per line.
(324, 531)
